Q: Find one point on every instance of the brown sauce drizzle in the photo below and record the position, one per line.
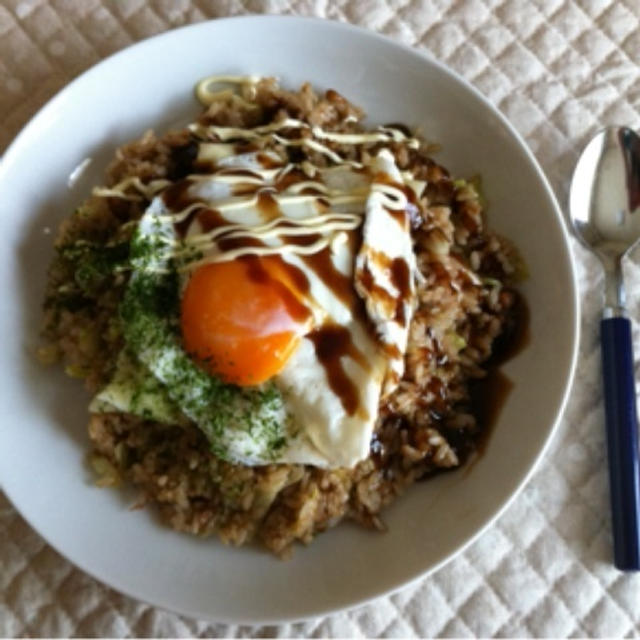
(259, 274)
(268, 206)
(210, 219)
(382, 177)
(244, 189)
(401, 276)
(339, 284)
(382, 260)
(239, 172)
(488, 395)
(400, 216)
(400, 315)
(183, 160)
(391, 350)
(290, 178)
(295, 274)
(176, 197)
(380, 294)
(517, 331)
(322, 265)
(332, 343)
(268, 162)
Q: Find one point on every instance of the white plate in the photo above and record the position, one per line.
(43, 441)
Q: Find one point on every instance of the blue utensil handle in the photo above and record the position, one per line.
(622, 440)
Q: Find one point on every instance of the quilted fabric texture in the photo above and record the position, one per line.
(558, 70)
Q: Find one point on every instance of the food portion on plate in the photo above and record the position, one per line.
(284, 317)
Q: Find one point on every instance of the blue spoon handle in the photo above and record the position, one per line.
(622, 440)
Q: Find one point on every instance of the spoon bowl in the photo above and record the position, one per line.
(604, 199)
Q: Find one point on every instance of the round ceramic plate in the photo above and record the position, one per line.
(43, 440)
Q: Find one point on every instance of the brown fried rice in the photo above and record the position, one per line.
(427, 425)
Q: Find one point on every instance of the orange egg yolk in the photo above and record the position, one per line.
(242, 319)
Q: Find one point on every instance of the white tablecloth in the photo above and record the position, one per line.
(558, 70)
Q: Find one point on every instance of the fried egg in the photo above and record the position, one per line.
(291, 277)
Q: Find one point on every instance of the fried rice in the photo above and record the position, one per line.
(427, 425)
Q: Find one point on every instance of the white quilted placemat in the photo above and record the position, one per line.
(558, 70)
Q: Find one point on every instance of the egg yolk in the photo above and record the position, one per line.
(241, 319)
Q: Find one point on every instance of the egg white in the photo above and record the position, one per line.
(318, 429)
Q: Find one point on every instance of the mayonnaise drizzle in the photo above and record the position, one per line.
(317, 224)
(327, 225)
(264, 133)
(315, 146)
(242, 203)
(382, 134)
(206, 96)
(279, 250)
(147, 190)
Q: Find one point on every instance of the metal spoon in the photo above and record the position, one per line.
(605, 212)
